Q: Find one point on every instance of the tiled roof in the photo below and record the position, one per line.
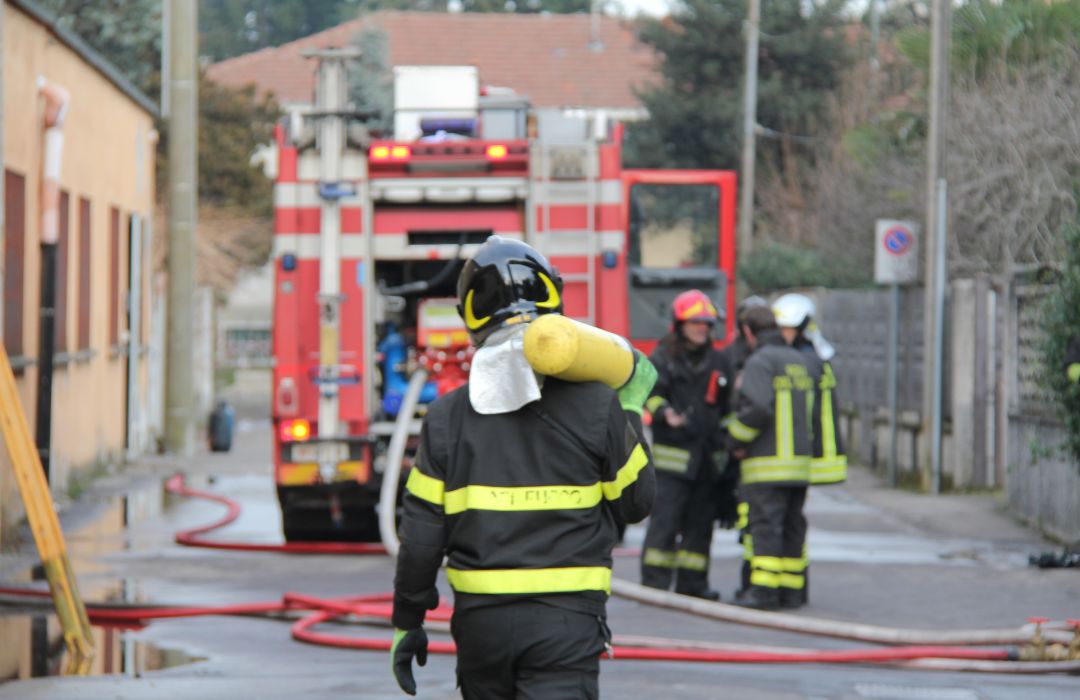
(545, 57)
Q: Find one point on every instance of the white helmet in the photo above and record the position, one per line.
(793, 310)
(797, 311)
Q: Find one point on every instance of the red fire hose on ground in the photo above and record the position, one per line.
(317, 611)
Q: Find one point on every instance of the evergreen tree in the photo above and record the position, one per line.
(695, 112)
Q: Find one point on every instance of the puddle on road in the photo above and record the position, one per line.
(107, 529)
(117, 651)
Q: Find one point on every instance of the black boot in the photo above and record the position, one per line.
(791, 599)
(760, 598)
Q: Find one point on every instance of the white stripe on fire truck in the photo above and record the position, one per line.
(306, 195)
(577, 192)
(308, 166)
(396, 245)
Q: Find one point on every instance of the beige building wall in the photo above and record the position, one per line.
(108, 159)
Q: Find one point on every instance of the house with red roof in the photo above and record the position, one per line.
(558, 61)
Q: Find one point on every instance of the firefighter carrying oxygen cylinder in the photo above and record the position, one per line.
(688, 403)
(520, 481)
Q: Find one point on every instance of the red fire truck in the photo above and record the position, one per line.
(369, 236)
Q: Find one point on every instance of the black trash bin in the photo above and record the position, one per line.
(220, 430)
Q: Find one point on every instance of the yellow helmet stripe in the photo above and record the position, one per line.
(471, 320)
(553, 301)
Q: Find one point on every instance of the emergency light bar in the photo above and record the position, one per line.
(450, 157)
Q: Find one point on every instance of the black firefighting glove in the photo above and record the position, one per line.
(408, 644)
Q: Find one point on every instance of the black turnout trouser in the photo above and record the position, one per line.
(777, 530)
(680, 533)
(528, 650)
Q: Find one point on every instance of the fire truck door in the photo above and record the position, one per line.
(678, 238)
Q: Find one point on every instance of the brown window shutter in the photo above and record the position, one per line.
(114, 276)
(85, 255)
(62, 247)
(14, 263)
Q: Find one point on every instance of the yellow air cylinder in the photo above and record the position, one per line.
(566, 349)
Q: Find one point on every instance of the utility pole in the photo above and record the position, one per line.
(182, 34)
(746, 213)
(936, 220)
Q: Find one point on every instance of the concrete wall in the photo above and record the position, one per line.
(109, 159)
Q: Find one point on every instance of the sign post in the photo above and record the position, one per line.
(896, 262)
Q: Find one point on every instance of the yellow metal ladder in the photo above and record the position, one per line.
(41, 513)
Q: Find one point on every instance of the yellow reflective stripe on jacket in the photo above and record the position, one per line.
(764, 469)
(831, 470)
(522, 498)
(671, 458)
(525, 581)
(785, 441)
(655, 403)
(1073, 372)
(424, 487)
(741, 431)
(627, 474)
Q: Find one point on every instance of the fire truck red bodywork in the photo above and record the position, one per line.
(416, 198)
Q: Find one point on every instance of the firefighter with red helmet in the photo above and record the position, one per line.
(688, 402)
(520, 482)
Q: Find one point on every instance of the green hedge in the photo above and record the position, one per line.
(1060, 319)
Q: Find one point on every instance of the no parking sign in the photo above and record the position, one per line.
(896, 252)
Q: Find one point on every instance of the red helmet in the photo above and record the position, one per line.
(694, 305)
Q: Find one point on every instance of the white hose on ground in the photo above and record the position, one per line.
(828, 628)
(395, 453)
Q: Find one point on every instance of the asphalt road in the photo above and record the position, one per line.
(879, 556)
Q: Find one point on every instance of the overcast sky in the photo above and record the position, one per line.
(652, 7)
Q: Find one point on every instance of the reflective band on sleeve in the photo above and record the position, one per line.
(748, 548)
(659, 557)
(691, 561)
(526, 581)
(655, 403)
(1073, 372)
(671, 458)
(741, 431)
(522, 498)
(763, 469)
(627, 474)
(424, 487)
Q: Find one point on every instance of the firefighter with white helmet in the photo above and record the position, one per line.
(829, 465)
(687, 404)
(520, 482)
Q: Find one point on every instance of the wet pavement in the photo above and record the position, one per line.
(878, 556)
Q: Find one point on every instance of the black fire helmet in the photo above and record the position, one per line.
(506, 282)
